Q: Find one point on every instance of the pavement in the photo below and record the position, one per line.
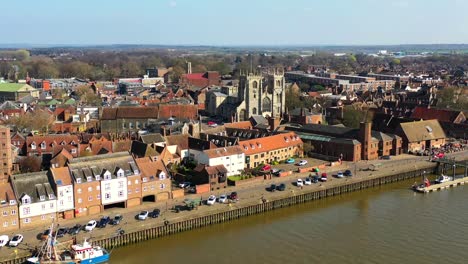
(248, 195)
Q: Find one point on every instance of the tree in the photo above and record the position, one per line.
(352, 116)
(39, 120)
(30, 164)
(308, 148)
(88, 96)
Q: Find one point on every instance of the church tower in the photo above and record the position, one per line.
(277, 91)
(250, 90)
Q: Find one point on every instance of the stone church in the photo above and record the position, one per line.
(261, 95)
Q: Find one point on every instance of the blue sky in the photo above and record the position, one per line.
(234, 22)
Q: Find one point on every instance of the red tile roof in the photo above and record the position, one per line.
(259, 145)
(150, 168)
(61, 174)
(240, 125)
(442, 115)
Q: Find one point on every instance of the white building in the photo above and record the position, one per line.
(232, 158)
(36, 198)
(114, 187)
(64, 189)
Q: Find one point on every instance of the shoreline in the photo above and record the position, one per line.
(196, 219)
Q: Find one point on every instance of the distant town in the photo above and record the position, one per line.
(84, 130)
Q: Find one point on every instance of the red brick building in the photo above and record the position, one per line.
(201, 79)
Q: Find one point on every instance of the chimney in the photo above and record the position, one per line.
(365, 136)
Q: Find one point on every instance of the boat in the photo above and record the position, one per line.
(53, 252)
(443, 178)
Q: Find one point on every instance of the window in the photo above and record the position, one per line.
(61, 202)
(144, 189)
(129, 183)
(129, 191)
(121, 194)
(43, 207)
(136, 181)
(145, 179)
(90, 189)
(5, 224)
(79, 190)
(78, 180)
(27, 220)
(13, 212)
(90, 198)
(43, 145)
(5, 213)
(42, 197)
(73, 151)
(88, 178)
(121, 184)
(26, 210)
(51, 196)
(162, 186)
(98, 177)
(107, 186)
(43, 217)
(162, 176)
(12, 202)
(80, 200)
(137, 190)
(33, 145)
(13, 222)
(98, 197)
(51, 205)
(98, 188)
(130, 125)
(107, 196)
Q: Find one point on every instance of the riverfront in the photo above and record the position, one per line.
(386, 224)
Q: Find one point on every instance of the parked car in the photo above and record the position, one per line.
(90, 225)
(290, 161)
(155, 213)
(116, 220)
(315, 179)
(233, 196)
(16, 240)
(45, 234)
(299, 182)
(222, 198)
(211, 200)
(386, 157)
(281, 187)
(272, 188)
(339, 174)
(143, 215)
(277, 172)
(185, 184)
(61, 232)
(308, 181)
(302, 163)
(75, 230)
(324, 177)
(266, 167)
(212, 124)
(348, 173)
(4, 240)
(103, 222)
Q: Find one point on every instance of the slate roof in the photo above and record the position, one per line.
(8, 105)
(152, 138)
(94, 166)
(34, 185)
(422, 130)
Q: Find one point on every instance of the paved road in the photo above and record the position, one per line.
(251, 194)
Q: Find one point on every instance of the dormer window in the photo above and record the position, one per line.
(33, 145)
(51, 196)
(145, 179)
(26, 200)
(162, 176)
(42, 197)
(43, 145)
(98, 177)
(120, 173)
(63, 143)
(78, 180)
(12, 202)
(89, 178)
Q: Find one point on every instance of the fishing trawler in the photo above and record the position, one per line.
(53, 252)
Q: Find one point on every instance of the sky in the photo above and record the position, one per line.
(234, 22)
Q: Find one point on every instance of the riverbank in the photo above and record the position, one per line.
(250, 204)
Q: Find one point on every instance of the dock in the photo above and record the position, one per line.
(442, 186)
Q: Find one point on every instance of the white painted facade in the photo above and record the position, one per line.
(233, 163)
(114, 188)
(28, 209)
(65, 199)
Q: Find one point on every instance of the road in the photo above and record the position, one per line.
(247, 195)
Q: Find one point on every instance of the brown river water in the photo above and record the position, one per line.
(389, 224)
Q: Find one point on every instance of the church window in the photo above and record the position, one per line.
(278, 83)
(266, 105)
(254, 111)
(254, 84)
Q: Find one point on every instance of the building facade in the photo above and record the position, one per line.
(5, 154)
(9, 220)
(233, 159)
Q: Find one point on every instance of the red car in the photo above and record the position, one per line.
(324, 177)
(266, 167)
(212, 124)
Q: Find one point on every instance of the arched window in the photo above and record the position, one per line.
(254, 84)
(254, 111)
(266, 105)
(278, 83)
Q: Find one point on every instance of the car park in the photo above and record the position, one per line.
(155, 213)
(116, 220)
(348, 173)
(299, 183)
(290, 161)
(222, 198)
(308, 181)
(272, 188)
(211, 200)
(4, 240)
(339, 174)
(90, 225)
(302, 163)
(324, 177)
(143, 215)
(16, 240)
(281, 187)
(75, 230)
(103, 222)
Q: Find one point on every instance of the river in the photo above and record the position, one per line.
(389, 224)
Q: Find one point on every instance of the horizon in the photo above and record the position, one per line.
(245, 23)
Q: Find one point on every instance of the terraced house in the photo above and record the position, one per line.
(8, 208)
(271, 148)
